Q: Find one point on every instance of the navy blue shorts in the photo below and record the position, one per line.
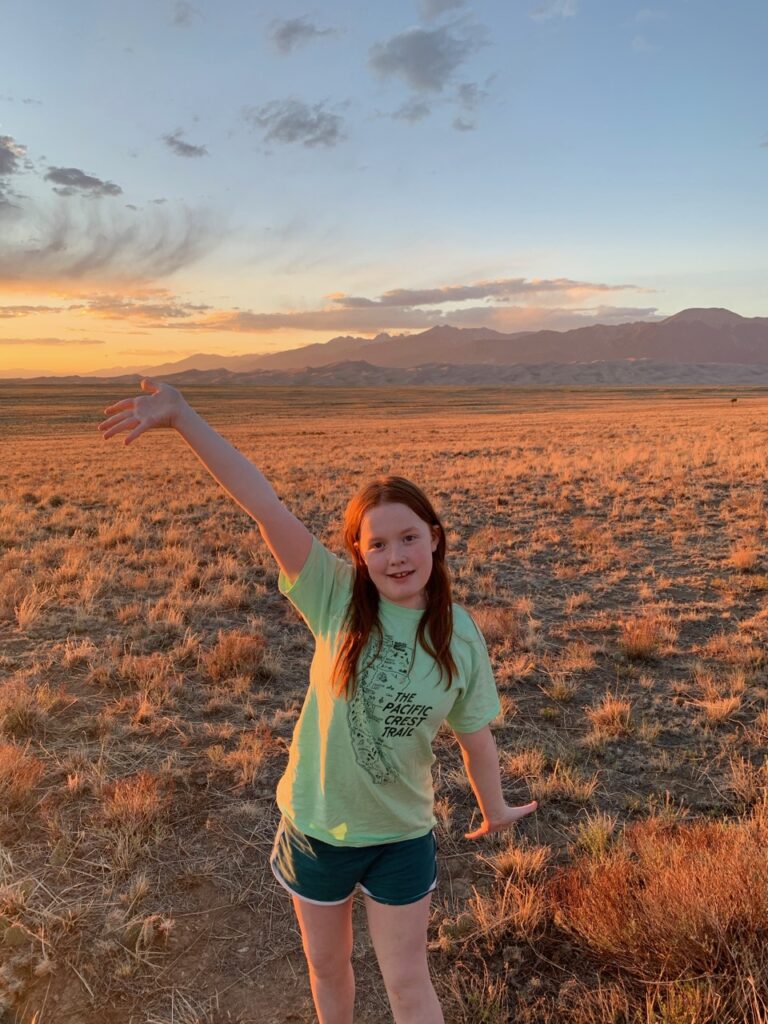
(392, 873)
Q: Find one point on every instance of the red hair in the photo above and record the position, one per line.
(362, 618)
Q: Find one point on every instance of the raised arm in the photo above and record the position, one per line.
(163, 406)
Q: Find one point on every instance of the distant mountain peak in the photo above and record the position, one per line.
(713, 316)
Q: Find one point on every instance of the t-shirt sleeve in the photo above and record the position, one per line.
(479, 704)
(321, 590)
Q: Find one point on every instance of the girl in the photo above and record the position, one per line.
(394, 657)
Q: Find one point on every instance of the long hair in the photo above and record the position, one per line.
(362, 618)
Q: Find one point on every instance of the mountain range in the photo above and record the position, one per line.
(695, 346)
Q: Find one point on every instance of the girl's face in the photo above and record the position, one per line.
(393, 540)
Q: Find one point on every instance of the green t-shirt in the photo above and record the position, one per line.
(360, 772)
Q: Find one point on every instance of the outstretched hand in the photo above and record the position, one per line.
(506, 817)
(159, 407)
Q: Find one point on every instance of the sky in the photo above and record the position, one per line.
(231, 178)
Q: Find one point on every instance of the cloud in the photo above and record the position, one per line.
(642, 45)
(155, 351)
(434, 8)
(425, 58)
(412, 110)
(293, 121)
(501, 290)
(554, 9)
(184, 13)
(28, 100)
(461, 124)
(7, 208)
(371, 321)
(81, 242)
(469, 95)
(51, 341)
(12, 312)
(75, 181)
(10, 154)
(181, 148)
(293, 32)
(140, 307)
(402, 308)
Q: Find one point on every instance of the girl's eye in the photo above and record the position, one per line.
(408, 536)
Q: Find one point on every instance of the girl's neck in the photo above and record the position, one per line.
(411, 613)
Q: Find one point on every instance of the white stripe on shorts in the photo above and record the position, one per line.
(368, 893)
(317, 903)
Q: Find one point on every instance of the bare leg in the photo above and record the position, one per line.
(326, 934)
(399, 936)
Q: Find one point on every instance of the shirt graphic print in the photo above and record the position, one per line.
(383, 709)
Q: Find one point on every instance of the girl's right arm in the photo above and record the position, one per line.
(286, 536)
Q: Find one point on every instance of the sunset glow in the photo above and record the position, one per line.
(245, 181)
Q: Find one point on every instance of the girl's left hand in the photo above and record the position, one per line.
(508, 816)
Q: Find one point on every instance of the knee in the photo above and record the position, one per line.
(409, 986)
(329, 966)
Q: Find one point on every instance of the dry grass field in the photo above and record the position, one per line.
(612, 548)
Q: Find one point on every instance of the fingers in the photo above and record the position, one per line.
(124, 423)
(147, 384)
(135, 433)
(126, 403)
(513, 815)
(113, 421)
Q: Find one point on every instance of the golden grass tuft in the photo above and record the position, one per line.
(744, 556)
(748, 782)
(611, 717)
(505, 626)
(718, 709)
(24, 706)
(661, 906)
(594, 834)
(577, 656)
(135, 804)
(523, 764)
(20, 772)
(646, 636)
(523, 861)
(509, 710)
(235, 653)
(254, 749)
(675, 1002)
(575, 601)
(478, 995)
(517, 908)
(560, 688)
(564, 783)
(28, 611)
